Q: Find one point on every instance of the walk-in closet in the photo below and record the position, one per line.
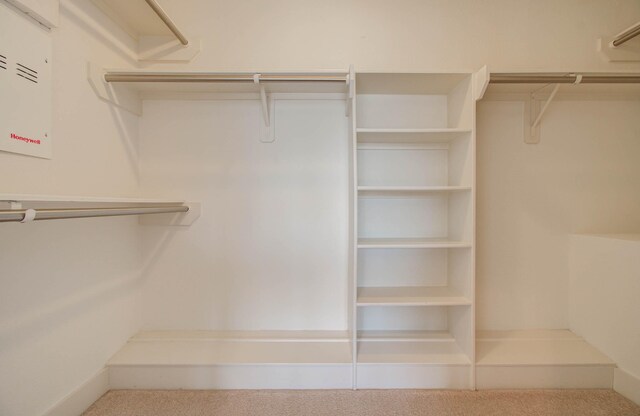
(314, 208)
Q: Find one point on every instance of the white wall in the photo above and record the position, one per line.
(582, 178)
(270, 248)
(69, 289)
(403, 35)
(603, 302)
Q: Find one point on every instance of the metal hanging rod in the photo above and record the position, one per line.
(28, 215)
(211, 78)
(167, 21)
(627, 35)
(563, 78)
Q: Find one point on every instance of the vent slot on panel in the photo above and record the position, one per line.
(27, 73)
(3, 62)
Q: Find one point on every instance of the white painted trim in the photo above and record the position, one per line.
(626, 384)
(234, 377)
(544, 377)
(82, 397)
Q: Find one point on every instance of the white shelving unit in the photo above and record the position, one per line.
(414, 190)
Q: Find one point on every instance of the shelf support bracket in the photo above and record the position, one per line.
(117, 95)
(266, 101)
(532, 133)
(263, 100)
(351, 89)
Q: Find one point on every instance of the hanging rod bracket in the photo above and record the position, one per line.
(263, 100)
(351, 89)
(267, 132)
(118, 95)
(535, 113)
(174, 219)
(618, 48)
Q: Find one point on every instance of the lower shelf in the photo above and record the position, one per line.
(233, 347)
(411, 296)
(233, 360)
(539, 359)
(439, 352)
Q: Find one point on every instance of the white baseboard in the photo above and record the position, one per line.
(415, 376)
(627, 385)
(81, 398)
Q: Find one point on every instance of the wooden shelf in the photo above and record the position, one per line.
(406, 135)
(404, 336)
(429, 353)
(410, 296)
(411, 243)
(248, 336)
(399, 191)
(400, 131)
(135, 17)
(83, 199)
(182, 83)
(206, 348)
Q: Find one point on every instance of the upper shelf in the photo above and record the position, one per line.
(242, 82)
(407, 135)
(127, 88)
(141, 18)
(615, 85)
(76, 200)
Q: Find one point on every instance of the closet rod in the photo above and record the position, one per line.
(563, 78)
(627, 35)
(167, 21)
(195, 77)
(26, 215)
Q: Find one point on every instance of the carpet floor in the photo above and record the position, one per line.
(362, 402)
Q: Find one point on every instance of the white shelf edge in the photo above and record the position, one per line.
(403, 336)
(410, 243)
(413, 189)
(84, 199)
(243, 336)
(411, 296)
(412, 130)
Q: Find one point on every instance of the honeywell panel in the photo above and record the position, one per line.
(25, 85)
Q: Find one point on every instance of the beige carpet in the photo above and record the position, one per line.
(363, 402)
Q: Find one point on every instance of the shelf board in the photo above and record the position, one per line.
(135, 17)
(204, 348)
(405, 135)
(248, 336)
(441, 130)
(181, 83)
(404, 336)
(410, 296)
(426, 353)
(84, 199)
(536, 348)
(398, 191)
(411, 243)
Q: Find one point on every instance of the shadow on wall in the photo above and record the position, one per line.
(63, 279)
